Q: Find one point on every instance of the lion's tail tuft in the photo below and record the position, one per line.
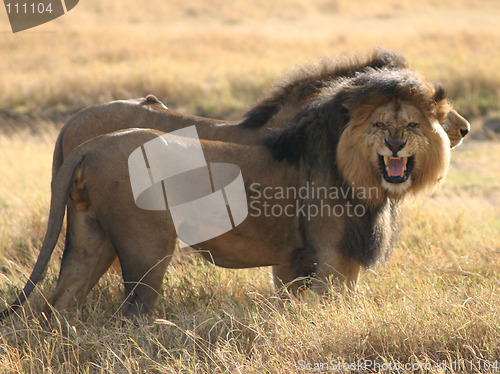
(60, 192)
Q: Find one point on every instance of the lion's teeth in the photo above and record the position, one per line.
(395, 164)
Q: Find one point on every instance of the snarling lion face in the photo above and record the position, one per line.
(395, 147)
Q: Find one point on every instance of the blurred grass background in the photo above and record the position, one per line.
(217, 57)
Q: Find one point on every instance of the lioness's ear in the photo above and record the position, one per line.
(442, 104)
(439, 93)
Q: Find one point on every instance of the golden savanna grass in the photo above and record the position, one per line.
(216, 57)
(436, 302)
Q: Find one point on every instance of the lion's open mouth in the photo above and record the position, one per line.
(396, 169)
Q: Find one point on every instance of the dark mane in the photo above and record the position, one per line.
(311, 139)
(363, 237)
(313, 135)
(307, 81)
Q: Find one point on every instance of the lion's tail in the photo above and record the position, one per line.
(57, 157)
(61, 185)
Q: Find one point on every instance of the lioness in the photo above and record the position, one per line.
(375, 137)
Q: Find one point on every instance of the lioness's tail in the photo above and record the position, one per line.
(60, 193)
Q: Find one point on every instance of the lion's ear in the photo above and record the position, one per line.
(289, 143)
(338, 111)
(344, 115)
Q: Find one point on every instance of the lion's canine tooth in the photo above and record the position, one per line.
(386, 166)
(405, 160)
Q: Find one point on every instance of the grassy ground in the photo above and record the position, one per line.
(435, 303)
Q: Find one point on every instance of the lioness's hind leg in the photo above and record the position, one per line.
(88, 253)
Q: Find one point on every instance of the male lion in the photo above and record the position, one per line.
(373, 138)
(289, 96)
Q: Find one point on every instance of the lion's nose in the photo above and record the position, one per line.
(395, 145)
(464, 132)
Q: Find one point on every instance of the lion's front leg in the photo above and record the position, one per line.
(297, 274)
(342, 273)
(283, 278)
(326, 236)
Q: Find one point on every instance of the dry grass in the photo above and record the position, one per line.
(437, 301)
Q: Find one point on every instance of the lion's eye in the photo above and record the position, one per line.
(412, 125)
(379, 124)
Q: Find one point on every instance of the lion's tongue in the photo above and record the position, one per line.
(395, 166)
